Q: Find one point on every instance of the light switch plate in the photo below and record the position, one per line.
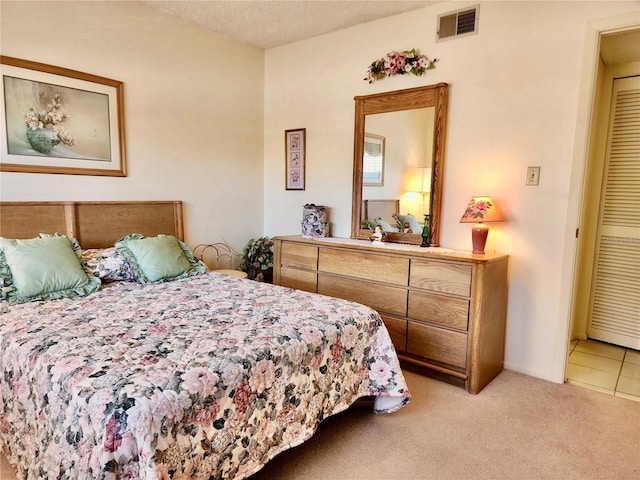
(533, 176)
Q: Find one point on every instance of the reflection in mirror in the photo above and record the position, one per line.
(406, 169)
(412, 123)
(373, 160)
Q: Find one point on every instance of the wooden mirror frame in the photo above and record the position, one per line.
(407, 99)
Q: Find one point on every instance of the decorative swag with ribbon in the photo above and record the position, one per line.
(399, 63)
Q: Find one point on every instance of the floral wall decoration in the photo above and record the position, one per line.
(399, 63)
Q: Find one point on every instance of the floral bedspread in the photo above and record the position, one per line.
(205, 377)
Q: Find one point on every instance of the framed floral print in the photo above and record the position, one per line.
(294, 147)
(59, 120)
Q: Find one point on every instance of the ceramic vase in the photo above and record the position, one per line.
(42, 140)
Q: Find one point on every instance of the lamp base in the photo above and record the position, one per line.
(479, 234)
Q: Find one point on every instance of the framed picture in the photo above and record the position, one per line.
(294, 148)
(60, 121)
(373, 160)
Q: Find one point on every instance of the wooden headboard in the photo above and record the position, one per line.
(93, 224)
(384, 209)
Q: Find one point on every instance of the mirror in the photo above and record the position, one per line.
(399, 150)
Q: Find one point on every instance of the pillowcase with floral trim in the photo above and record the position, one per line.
(43, 268)
(108, 264)
(158, 259)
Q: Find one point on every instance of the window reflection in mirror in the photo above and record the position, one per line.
(407, 144)
(373, 160)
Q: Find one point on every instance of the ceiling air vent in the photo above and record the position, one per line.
(455, 24)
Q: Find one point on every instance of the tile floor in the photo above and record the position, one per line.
(605, 368)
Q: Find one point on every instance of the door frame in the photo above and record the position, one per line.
(583, 148)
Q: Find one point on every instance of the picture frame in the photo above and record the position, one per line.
(373, 160)
(295, 158)
(59, 120)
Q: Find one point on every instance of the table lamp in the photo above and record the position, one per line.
(480, 210)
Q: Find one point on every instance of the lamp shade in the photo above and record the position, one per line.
(481, 210)
(421, 181)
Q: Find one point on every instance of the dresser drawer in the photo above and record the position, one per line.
(453, 278)
(365, 265)
(297, 255)
(397, 328)
(447, 311)
(383, 298)
(300, 279)
(437, 344)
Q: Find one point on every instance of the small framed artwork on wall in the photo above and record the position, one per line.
(294, 147)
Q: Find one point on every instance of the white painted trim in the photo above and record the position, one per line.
(532, 372)
(595, 30)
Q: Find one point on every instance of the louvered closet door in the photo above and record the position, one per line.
(615, 290)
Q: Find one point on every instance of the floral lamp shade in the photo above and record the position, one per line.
(479, 211)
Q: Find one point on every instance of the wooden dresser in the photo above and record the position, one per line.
(445, 310)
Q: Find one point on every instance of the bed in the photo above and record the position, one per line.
(206, 376)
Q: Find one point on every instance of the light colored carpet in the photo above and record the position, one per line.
(518, 427)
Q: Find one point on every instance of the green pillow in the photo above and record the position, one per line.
(43, 268)
(401, 220)
(158, 259)
(385, 225)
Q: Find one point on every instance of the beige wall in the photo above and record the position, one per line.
(515, 97)
(193, 110)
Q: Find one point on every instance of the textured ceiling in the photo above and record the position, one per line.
(271, 23)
